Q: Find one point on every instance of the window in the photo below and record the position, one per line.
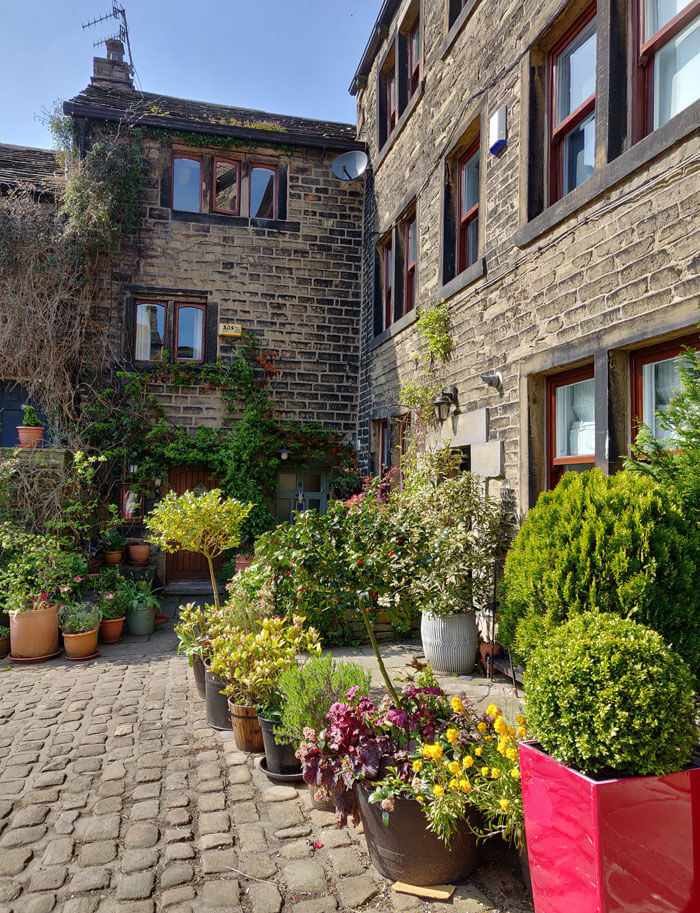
(455, 8)
(189, 332)
(387, 98)
(655, 380)
(390, 442)
(187, 184)
(670, 57)
(263, 192)
(178, 326)
(410, 244)
(149, 339)
(570, 423)
(468, 209)
(387, 262)
(572, 108)
(413, 58)
(227, 187)
(207, 183)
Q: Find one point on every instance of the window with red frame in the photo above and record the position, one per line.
(413, 58)
(570, 423)
(386, 253)
(468, 208)
(655, 379)
(227, 187)
(381, 429)
(572, 79)
(410, 246)
(669, 57)
(189, 332)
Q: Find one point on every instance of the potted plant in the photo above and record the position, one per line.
(608, 791)
(79, 623)
(141, 607)
(193, 630)
(31, 430)
(457, 536)
(251, 664)
(403, 771)
(139, 552)
(114, 543)
(4, 640)
(305, 695)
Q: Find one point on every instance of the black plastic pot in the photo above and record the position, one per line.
(217, 704)
(280, 759)
(405, 850)
(199, 671)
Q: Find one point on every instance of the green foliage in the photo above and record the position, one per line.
(674, 461)
(208, 524)
(307, 692)
(606, 695)
(435, 348)
(252, 663)
(456, 536)
(138, 595)
(79, 618)
(29, 417)
(4, 631)
(114, 541)
(617, 544)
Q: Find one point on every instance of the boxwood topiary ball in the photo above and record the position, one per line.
(606, 695)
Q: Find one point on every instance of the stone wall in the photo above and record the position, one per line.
(610, 267)
(294, 283)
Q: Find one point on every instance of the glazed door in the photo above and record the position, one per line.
(188, 565)
(301, 490)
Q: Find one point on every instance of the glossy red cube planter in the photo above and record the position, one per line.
(629, 845)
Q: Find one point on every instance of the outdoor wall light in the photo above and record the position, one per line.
(133, 469)
(493, 380)
(444, 402)
(285, 453)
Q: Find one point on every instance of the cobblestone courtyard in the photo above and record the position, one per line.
(117, 797)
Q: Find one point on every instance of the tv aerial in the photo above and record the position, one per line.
(350, 165)
(118, 13)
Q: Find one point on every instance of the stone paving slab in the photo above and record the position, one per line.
(117, 797)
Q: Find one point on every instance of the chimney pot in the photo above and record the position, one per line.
(112, 71)
(115, 50)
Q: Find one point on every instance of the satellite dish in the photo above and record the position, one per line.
(350, 165)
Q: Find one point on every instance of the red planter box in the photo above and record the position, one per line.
(629, 845)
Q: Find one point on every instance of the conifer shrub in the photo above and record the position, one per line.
(615, 544)
(606, 696)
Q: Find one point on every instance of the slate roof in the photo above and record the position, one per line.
(165, 112)
(22, 163)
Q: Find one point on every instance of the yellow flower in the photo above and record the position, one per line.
(478, 751)
(504, 804)
(495, 772)
(465, 786)
(457, 705)
(454, 784)
(492, 710)
(418, 766)
(482, 727)
(438, 790)
(452, 735)
(426, 751)
(484, 771)
(420, 799)
(468, 761)
(511, 754)
(437, 752)
(488, 738)
(515, 773)
(454, 767)
(520, 720)
(521, 732)
(500, 725)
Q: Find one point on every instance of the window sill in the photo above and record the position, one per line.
(625, 165)
(461, 281)
(400, 124)
(457, 27)
(397, 326)
(213, 218)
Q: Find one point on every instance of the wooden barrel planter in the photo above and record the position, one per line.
(405, 850)
(217, 703)
(246, 728)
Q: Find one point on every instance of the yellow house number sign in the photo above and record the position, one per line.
(230, 329)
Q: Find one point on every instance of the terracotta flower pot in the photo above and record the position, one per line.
(111, 630)
(139, 554)
(34, 633)
(112, 558)
(29, 435)
(80, 645)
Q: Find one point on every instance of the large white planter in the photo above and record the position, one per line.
(450, 643)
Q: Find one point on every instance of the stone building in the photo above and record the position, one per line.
(536, 166)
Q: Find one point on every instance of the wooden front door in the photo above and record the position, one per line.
(189, 565)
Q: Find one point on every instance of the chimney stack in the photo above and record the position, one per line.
(111, 71)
